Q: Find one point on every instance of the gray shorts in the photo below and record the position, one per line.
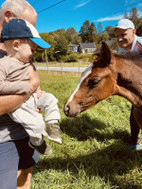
(15, 155)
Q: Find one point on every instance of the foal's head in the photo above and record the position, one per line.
(97, 82)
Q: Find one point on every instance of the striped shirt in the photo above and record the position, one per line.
(137, 44)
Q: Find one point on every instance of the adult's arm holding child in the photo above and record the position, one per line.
(12, 102)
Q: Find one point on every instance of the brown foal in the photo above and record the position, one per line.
(109, 74)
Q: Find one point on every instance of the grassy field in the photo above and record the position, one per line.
(59, 64)
(94, 154)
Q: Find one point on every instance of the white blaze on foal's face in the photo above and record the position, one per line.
(83, 77)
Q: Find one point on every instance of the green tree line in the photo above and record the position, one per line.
(60, 39)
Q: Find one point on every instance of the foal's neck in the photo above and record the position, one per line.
(129, 81)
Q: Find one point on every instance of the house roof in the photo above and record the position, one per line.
(87, 45)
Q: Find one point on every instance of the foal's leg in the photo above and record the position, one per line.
(138, 117)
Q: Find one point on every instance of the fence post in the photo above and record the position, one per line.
(46, 58)
(79, 68)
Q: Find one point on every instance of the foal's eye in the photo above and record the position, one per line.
(92, 83)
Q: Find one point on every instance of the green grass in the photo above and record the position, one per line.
(63, 64)
(94, 154)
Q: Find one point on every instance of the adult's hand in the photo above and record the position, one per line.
(34, 80)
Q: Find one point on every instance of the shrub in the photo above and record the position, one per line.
(72, 58)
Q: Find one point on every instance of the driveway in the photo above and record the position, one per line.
(62, 69)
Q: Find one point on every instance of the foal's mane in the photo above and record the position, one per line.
(135, 57)
(129, 55)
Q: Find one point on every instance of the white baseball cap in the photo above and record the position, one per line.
(124, 24)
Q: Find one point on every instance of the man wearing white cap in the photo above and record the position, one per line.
(125, 33)
(127, 39)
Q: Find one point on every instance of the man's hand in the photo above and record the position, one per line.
(34, 80)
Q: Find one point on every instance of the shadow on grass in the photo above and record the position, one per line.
(83, 128)
(107, 163)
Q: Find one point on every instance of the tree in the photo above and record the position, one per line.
(108, 30)
(61, 46)
(100, 28)
(88, 32)
(92, 33)
(134, 17)
(39, 54)
(98, 40)
(105, 36)
(126, 15)
(49, 39)
(139, 29)
(84, 31)
(72, 36)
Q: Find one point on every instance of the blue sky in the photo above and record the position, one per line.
(72, 13)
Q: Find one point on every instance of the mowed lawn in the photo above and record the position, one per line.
(94, 153)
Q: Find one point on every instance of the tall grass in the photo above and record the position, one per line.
(94, 153)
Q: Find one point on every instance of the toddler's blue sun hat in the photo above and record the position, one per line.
(18, 29)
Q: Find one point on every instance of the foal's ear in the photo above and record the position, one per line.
(105, 53)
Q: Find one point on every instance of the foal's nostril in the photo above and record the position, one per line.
(66, 110)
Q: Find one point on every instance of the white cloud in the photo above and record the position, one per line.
(139, 5)
(120, 16)
(81, 4)
(111, 18)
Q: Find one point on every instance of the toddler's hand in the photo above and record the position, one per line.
(34, 80)
(39, 93)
